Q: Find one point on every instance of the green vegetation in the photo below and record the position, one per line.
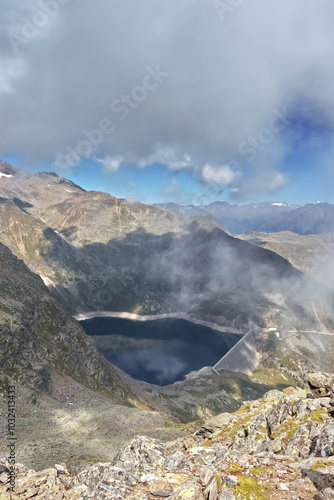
(219, 482)
(235, 468)
(273, 377)
(249, 489)
(319, 464)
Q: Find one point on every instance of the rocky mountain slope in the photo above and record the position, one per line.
(74, 406)
(67, 392)
(39, 337)
(58, 373)
(96, 252)
(311, 254)
(84, 217)
(315, 218)
(279, 447)
(269, 217)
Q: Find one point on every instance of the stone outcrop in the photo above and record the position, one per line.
(37, 337)
(278, 447)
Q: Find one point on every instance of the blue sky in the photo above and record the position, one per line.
(157, 183)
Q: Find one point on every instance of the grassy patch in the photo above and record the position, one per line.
(288, 428)
(248, 488)
(319, 464)
(273, 377)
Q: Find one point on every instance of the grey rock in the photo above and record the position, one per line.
(326, 494)
(214, 425)
(226, 494)
(142, 451)
(206, 476)
(211, 491)
(161, 489)
(229, 480)
(323, 444)
(321, 384)
(189, 490)
(318, 379)
(322, 477)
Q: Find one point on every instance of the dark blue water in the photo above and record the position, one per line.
(160, 352)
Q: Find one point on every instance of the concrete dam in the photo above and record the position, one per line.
(243, 357)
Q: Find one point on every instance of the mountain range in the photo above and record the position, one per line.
(269, 217)
(97, 252)
(66, 251)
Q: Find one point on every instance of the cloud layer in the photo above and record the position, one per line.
(191, 84)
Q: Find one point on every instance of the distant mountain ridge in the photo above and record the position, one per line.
(96, 252)
(268, 217)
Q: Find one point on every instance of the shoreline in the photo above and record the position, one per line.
(155, 317)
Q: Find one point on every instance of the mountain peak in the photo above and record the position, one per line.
(7, 170)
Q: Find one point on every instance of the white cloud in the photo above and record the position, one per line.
(167, 157)
(278, 181)
(219, 176)
(173, 190)
(110, 163)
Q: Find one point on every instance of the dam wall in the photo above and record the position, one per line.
(243, 357)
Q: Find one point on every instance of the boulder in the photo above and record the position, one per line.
(321, 384)
(187, 490)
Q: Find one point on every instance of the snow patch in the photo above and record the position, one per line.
(279, 204)
(47, 281)
(57, 232)
(6, 175)
(68, 190)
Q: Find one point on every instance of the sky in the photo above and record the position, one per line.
(188, 101)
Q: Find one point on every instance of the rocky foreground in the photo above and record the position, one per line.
(277, 447)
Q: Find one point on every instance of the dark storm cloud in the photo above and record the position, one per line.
(230, 70)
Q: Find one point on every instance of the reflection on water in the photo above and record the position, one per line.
(159, 352)
(165, 364)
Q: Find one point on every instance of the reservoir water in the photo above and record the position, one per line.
(160, 352)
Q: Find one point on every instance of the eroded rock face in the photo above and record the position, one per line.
(321, 384)
(278, 447)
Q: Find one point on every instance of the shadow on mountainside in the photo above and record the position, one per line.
(208, 273)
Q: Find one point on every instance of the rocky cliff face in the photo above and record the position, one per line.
(38, 337)
(278, 447)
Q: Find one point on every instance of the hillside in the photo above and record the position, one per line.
(311, 254)
(151, 261)
(316, 218)
(52, 339)
(279, 447)
(97, 252)
(57, 372)
(67, 391)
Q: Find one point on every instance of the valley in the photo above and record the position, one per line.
(166, 250)
(68, 255)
